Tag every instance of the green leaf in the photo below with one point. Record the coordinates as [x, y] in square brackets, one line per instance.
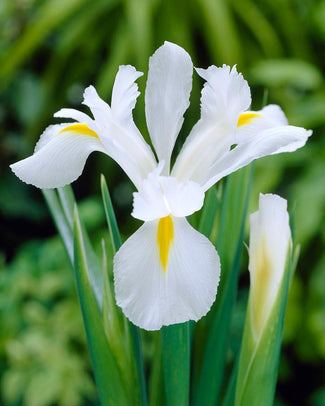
[61, 205]
[229, 397]
[110, 215]
[139, 14]
[119, 53]
[259, 359]
[229, 246]
[107, 374]
[176, 363]
[68, 203]
[60, 220]
[138, 368]
[287, 72]
[50, 14]
[117, 335]
[219, 24]
[209, 213]
[259, 26]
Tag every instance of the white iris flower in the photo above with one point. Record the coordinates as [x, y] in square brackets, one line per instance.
[166, 272]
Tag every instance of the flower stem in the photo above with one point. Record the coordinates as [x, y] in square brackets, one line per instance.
[176, 363]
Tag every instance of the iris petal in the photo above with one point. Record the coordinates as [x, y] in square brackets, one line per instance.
[118, 133]
[167, 97]
[252, 123]
[59, 157]
[224, 96]
[152, 295]
[268, 142]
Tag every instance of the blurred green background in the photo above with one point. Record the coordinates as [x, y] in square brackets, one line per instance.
[50, 51]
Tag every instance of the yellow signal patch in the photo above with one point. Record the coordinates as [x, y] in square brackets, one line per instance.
[81, 129]
[246, 118]
[165, 237]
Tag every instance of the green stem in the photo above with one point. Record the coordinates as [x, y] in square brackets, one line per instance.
[176, 363]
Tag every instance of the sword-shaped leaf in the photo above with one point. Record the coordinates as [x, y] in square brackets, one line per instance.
[106, 370]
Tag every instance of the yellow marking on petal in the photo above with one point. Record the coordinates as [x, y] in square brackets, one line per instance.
[81, 129]
[165, 237]
[246, 118]
[262, 287]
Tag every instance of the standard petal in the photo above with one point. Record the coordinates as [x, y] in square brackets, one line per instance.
[125, 94]
[224, 96]
[167, 97]
[269, 142]
[153, 293]
[117, 130]
[59, 157]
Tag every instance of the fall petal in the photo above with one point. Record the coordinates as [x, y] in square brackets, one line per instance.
[166, 273]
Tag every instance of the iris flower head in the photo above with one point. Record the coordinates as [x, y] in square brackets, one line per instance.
[166, 272]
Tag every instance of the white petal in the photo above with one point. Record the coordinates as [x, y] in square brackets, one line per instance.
[75, 115]
[224, 96]
[160, 196]
[49, 132]
[151, 296]
[167, 97]
[118, 132]
[268, 142]
[125, 94]
[59, 158]
[270, 241]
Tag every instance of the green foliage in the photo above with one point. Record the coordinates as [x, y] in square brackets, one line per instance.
[43, 350]
[112, 390]
[132, 331]
[229, 245]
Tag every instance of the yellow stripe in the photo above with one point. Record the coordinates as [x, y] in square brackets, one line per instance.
[263, 272]
[165, 237]
[81, 129]
[246, 118]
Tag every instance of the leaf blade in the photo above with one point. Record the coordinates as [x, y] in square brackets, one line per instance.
[107, 374]
[229, 246]
[68, 203]
[60, 220]
[136, 346]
